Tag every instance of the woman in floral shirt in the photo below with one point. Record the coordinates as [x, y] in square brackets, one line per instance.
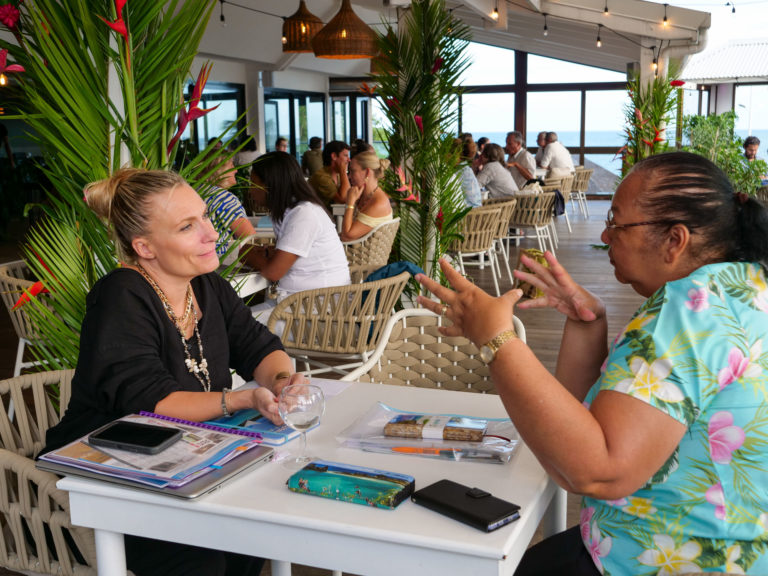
[665, 434]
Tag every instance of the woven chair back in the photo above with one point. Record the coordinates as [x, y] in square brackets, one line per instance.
[479, 228]
[533, 210]
[38, 534]
[14, 279]
[373, 249]
[338, 320]
[581, 180]
[417, 354]
[507, 209]
[566, 186]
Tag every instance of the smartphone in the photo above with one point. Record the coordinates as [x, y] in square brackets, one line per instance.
[135, 437]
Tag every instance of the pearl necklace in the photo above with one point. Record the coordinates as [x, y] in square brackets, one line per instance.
[198, 369]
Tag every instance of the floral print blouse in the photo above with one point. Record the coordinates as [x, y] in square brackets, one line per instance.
[694, 350]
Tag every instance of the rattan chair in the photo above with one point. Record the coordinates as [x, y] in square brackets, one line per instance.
[564, 185]
[501, 239]
[535, 211]
[579, 191]
[15, 278]
[412, 352]
[343, 322]
[373, 249]
[479, 229]
[37, 533]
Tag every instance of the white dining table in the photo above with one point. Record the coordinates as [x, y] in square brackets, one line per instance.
[256, 514]
[248, 283]
[338, 215]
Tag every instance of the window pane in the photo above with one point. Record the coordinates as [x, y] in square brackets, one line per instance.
[691, 103]
[554, 112]
[340, 120]
[380, 126]
[316, 117]
[605, 117]
[543, 70]
[489, 115]
[488, 65]
[277, 121]
[752, 114]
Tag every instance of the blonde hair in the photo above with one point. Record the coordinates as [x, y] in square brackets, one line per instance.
[123, 202]
[370, 161]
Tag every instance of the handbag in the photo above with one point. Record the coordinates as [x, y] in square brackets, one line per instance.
[559, 207]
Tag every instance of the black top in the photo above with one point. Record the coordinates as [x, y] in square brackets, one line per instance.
[131, 355]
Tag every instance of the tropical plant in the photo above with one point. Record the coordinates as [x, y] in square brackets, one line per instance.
[714, 137]
[418, 71]
[103, 86]
[646, 117]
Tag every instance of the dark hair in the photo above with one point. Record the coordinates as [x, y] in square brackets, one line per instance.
[284, 183]
[751, 141]
[314, 142]
[249, 143]
[494, 153]
[280, 139]
[359, 146]
[466, 146]
[689, 189]
[333, 147]
[482, 141]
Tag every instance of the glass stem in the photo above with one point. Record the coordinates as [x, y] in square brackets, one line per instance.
[303, 452]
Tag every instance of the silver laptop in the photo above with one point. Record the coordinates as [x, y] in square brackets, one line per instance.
[206, 483]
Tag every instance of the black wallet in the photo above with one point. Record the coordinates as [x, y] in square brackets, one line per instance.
[472, 506]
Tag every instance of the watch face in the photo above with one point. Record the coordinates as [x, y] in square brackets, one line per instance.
[486, 354]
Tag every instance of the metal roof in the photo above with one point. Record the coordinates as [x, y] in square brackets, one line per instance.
[738, 61]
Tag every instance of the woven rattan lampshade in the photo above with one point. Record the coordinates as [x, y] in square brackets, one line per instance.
[299, 29]
[345, 36]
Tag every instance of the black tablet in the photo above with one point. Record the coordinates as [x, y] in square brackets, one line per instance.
[135, 437]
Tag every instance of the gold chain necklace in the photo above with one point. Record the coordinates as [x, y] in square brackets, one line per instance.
[198, 369]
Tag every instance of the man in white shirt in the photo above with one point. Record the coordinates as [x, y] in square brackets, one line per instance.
[541, 141]
[520, 162]
[557, 160]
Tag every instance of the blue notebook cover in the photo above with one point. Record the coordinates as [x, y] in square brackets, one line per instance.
[252, 421]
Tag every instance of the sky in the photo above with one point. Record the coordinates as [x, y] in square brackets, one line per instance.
[749, 20]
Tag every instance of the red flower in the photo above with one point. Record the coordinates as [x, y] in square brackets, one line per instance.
[657, 137]
[10, 67]
[9, 15]
[34, 290]
[119, 24]
[405, 186]
[419, 123]
[193, 113]
[391, 102]
[365, 88]
[437, 65]
[439, 220]
[677, 83]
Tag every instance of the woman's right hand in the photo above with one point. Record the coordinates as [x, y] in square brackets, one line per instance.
[266, 402]
[560, 291]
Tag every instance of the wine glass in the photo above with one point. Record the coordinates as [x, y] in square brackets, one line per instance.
[300, 407]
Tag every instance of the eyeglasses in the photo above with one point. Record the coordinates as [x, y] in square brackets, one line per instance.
[610, 224]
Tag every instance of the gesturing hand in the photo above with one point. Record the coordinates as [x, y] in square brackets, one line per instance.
[474, 313]
[560, 291]
[353, 194]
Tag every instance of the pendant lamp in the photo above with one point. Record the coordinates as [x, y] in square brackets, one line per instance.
[299, 29]
[346, 36]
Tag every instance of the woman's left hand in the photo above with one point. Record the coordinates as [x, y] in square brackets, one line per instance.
[474, 313]
[353, 194]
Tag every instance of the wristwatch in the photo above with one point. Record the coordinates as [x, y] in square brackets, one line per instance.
[489, 349]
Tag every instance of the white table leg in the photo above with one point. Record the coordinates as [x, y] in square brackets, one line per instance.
[555, 518]
[110, 553]
[280, 568]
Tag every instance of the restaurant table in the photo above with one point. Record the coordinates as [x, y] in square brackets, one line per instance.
[247, 283]
[256, 514]
[338, 214]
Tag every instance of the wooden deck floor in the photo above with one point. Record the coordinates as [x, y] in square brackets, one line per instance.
[588, 266]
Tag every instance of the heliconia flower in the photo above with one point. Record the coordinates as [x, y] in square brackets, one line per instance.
[715, 496]
[411, 198]
[620, 152]
[437, 65]
[365, 88]
[740, 365]
[698, 299]
[34, 290]
[119, 24]
[9, 16]
[638, 114]
[419, 123]
[391, 102]
[4, 67]
[405, 185]
[724, 437]
[657, 137]
[648, 142]
[677, 83]
[193, 112]
[439, 220]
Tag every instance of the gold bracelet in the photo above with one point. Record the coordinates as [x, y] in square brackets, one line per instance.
[350, 206]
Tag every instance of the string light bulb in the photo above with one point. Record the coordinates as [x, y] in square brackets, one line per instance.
[733, 7]
[599, 41]
[546, 28]
[665, 22]
[495, 13]
[605, 10]
[655, 65]
[3, 80]
[222, 20]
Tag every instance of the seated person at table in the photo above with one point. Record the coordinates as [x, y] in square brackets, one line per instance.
[493, 175]
[161, 333]
[224, 208]
[367, 204]
[665, 432]
[557, 159]
[312, 159]
[520, 162]
[472, 195]
[308, 253]
[331, 181]
[281, 145]
[541, 141]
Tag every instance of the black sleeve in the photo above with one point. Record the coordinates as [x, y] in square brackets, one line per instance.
[249, 340]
